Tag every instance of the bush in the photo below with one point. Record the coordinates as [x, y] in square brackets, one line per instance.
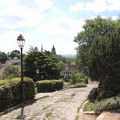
[107, 104]
[7, 94]
[85, 80]
[109, 87]
[29, 88]
[75, 78]
[10, 92]
[49, 85]
[58, 84]
[10, 72]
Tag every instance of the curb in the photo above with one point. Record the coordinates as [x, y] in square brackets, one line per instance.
[81, 113]
[81, 110]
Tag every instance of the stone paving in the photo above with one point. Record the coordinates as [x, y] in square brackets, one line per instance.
[59, 105]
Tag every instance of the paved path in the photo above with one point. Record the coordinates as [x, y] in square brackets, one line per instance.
[59, 105]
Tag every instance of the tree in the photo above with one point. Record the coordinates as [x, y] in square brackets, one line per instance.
[45, 62]
[92, 30]
[10, 72]
[98, 52]
[13, 54]
[16, 51]
[3, 57]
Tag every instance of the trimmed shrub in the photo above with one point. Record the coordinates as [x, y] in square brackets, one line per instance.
[58, 84]
[7, 98]
[29, 89]
[49, 85]
[10, 92]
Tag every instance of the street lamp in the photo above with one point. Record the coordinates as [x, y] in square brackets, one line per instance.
[37, 71]
[21, 42]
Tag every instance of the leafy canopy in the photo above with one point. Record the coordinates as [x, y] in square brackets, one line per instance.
[99, 50]
[45, 62]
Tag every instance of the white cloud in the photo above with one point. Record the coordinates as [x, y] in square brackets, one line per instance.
[58, 11]
[114, 17]
[61, 26]
[62, 30]
[113, 5]
[9, 40]
[77, 7]
[97, 6]
[31, 16]
[44, 22]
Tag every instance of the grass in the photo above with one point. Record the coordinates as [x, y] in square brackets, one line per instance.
[48, 114]
[78, 109]
[36, 91]
[89, 106]
[73, 94]
[77, 117]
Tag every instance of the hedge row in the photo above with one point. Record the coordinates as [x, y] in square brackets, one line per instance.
[10, 92]
[49, 85]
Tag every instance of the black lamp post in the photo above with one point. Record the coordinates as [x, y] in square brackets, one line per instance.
[21, 42]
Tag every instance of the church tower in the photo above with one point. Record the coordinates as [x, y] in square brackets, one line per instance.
[53, 51]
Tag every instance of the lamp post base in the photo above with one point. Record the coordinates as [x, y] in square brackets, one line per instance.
[22, 117]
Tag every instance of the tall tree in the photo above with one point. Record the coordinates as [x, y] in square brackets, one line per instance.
[45, 62]
[99, 50]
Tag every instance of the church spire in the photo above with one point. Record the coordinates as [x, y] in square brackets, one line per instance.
[41, 48]
[53, 50]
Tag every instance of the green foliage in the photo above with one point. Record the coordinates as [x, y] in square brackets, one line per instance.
[77, 85]
[10, 92]
[10, 72]
[75, 78]
[49, 85]
[14, 54]
[98, 52]
[107, 104]
[109, 87]
[71, 61]
[45, 62]
[29, 88]
[84, 79]
[3, 57]
[89, 106]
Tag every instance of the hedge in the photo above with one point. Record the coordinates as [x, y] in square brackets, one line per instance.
[49, 85]
[10, 92]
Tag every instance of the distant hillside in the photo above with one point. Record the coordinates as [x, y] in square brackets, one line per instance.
[69, 55]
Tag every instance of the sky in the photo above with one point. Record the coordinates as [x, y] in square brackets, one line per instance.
[49, 22]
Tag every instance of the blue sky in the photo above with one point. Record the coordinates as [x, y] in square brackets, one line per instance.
[49, 22]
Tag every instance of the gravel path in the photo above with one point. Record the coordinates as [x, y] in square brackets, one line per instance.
[59, 105]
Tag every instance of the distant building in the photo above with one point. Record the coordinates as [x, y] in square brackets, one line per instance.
[53, 50]
[67, 70]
